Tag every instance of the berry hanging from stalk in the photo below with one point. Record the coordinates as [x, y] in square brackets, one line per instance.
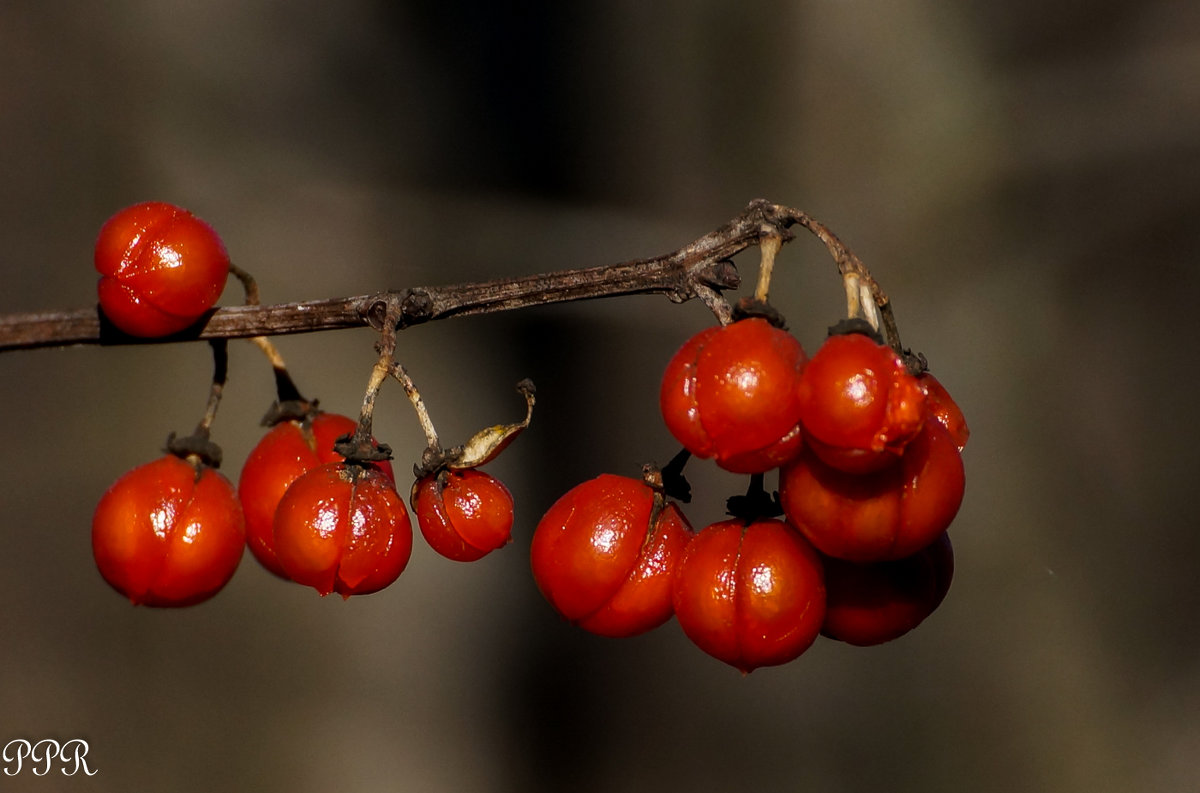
[288, 450]
[342, 527]
[171, 532]
[870, 604]
[463, 515]
[943, 408]
[161, 268]
[859, 403]
[885, 514]
[168, 533]
[752, 594]
[605, 554]
[731, 393]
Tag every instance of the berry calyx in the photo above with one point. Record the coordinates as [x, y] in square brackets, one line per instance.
[161, 268]
[463, 515]
[168, 533]
[342, 527]
[604, 555]
[750, 595]
[730, 393]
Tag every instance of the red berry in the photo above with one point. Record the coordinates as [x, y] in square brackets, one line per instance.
[731, 393]
[750, 595]
[874, 603]
[602, 563]
[343, 528]
[859, 403]
[168, 533]
[463, 515]
[288, 450]
[886, 514]
[943, 408]
[161, 268]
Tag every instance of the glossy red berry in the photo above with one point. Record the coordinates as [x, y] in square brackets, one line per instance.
[750, 595]
[463, 515]
[603, 559]
[859, 403]
[168, 533]
[161, 268]
[869, 604]
[343, 528]
[886, 514]
[943, 408]
[288, 450]
[731, 393]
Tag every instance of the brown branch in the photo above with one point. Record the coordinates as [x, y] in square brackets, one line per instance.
[695, 270]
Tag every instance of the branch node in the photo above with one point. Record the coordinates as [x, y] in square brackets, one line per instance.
[415, 307]
[719, 275]
[375, 313]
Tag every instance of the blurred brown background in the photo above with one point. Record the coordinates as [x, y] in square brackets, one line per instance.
[1022, 177]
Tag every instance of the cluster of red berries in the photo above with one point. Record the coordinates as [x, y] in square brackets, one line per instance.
[870, 478]
[867, 448]
[171, 532]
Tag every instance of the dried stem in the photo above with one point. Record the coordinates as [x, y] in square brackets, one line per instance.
[285, 387]
[702, 266]
[379, 373]
[220, 348]
[767, 249]
[717, 304]
[701, 269]
[197, 447]
[414, 396]
[855, 274]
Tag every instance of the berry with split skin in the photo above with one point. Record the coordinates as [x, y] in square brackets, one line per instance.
[731, 393]
[288, 450]
[887, 514]
[342, 527]
[750, 594]
[860, 405]
[943, 408]
[604, 555]
[869, 604]
[161, 269]
[463, 514]
[168, 533]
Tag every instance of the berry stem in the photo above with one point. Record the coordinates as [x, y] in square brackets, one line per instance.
[769, 246]
[379, 373]
[220, 348]
[675, 484]
[867, 289]
[359, 447]
[756, 503]
[859, 302]
[716, 303]
[414, 396]
[197, 448]
[285, 387]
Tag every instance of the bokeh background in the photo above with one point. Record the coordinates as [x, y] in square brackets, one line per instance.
[1022, 177]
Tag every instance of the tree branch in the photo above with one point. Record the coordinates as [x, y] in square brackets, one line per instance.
[698, 269]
